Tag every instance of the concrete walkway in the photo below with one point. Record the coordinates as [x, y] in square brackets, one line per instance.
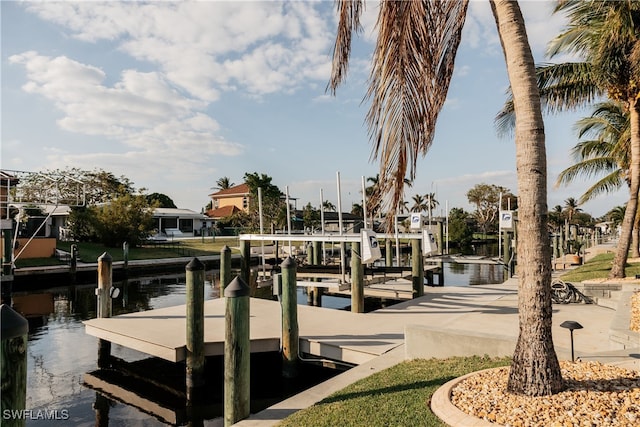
[482, 309]
[487, 311]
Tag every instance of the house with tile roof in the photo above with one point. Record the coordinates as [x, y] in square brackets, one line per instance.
[231, 200]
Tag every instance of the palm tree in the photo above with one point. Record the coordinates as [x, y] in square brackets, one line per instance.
[570, 209]
[606, 35]
[606, 154]
[412, 68]
[431, 201]
[419, 203]
[224, 183]
[328, 206]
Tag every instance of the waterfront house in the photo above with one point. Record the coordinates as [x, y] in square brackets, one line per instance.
[223, 201]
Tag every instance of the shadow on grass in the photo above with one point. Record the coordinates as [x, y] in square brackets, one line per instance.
[418, 385]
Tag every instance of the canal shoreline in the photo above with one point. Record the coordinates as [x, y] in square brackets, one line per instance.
[42, 277]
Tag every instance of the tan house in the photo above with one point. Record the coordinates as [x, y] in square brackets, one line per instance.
[229, 201]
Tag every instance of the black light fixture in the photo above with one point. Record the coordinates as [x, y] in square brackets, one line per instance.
[571, 325]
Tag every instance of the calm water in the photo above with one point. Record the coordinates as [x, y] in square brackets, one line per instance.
[60, 352]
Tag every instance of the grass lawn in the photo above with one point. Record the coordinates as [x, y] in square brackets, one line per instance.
[89, 252]
[397, 396]
[598, 268]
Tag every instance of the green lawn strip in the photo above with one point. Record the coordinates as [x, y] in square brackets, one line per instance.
[598, 268]
[397, 396]
[89, 252]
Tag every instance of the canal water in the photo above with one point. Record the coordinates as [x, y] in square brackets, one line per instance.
[60, 352]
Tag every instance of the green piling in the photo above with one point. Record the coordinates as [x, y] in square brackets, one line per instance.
[14, 330]
[417, 268]
[225, 268]
[237, 352]
[357, 279]
[290, 334]
[195, 328]
[105, 282]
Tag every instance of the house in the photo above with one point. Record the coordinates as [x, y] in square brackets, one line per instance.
[229, 201]
[6, 182]
[175, 222]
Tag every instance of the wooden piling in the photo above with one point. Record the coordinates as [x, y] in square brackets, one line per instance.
[237, 352]
[195, 328]
[73, 263]
[290, 332]
[388, 254]
[417, 268]
[125, 255]
[245, 254]
[225, 268]
[317, 253]
[14, 330]
[357, 279]
[105, 281]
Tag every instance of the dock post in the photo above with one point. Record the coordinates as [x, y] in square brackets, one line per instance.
[357, 279]
[73, 263]
[317, 253]
[125, 256]
[237, 352]
[195, 328]
[315, 258]
[417, 268]
[105, 280]
[14, 330]
[388, 254]
[225, 268]
[245, 254]
[290, 334]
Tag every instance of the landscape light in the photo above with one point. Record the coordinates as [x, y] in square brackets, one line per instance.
[571, 325]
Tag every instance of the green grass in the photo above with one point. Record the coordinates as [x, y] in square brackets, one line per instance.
[397, 396]
[598, 268]
[89, 252]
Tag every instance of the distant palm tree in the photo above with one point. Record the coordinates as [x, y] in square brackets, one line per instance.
[224, 183]
[571, 208]
[419, 203]
[356, 209]
[431, 202]
[328, 206]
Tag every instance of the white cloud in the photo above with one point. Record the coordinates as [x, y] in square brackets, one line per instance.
[141, 110]
[205, 47]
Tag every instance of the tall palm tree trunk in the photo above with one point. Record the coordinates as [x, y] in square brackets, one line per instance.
[535, 370]
[622, 252]
[635, 238]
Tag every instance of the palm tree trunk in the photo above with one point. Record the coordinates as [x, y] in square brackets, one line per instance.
[635, 238]
[535, 370]
[622, 252]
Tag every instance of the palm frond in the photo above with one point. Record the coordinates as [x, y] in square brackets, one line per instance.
[412, 67]
[607, 184]
[349, 12]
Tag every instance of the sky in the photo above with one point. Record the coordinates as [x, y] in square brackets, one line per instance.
[176, 95]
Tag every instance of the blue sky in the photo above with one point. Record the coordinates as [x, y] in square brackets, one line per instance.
[176, 95]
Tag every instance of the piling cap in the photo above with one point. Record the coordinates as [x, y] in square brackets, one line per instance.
[12, 323]
[237, 288]
[288, 263]
[195, 265]
[105, 257]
